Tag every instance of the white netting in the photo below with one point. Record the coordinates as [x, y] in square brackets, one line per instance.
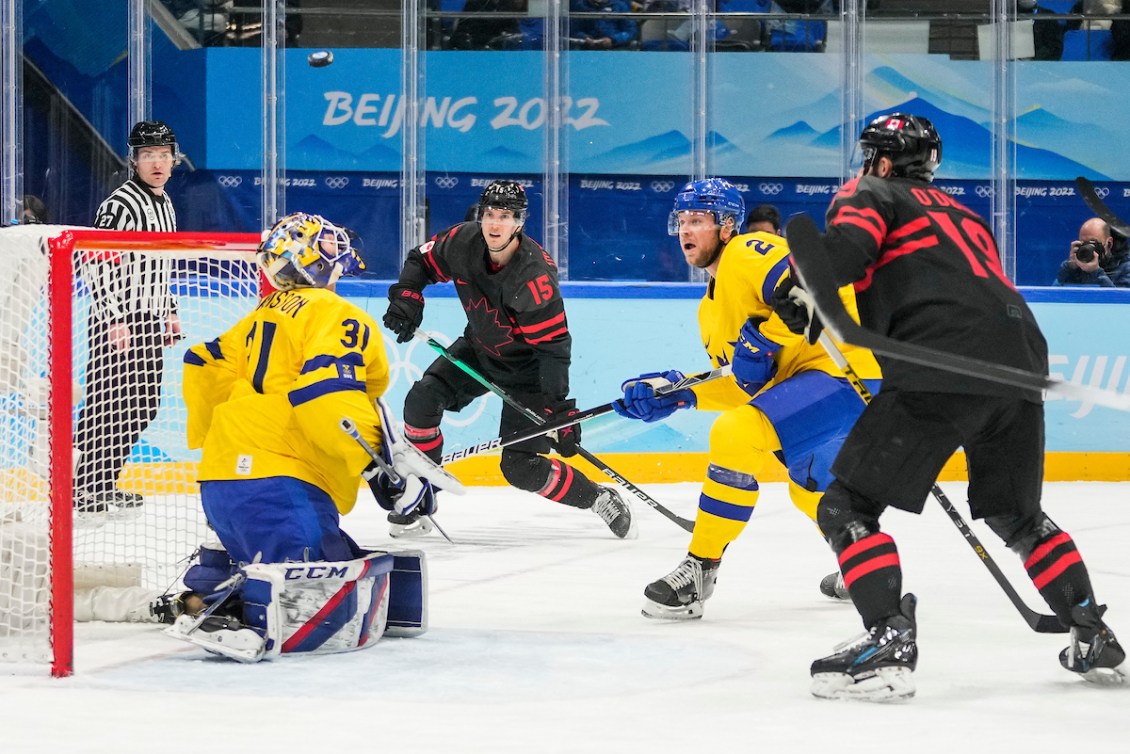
[137, 515]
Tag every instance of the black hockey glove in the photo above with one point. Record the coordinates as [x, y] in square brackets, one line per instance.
[405, 311]
[796, 309]
[566, 439]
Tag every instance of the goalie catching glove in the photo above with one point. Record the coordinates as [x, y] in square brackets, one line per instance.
[796, 308]
[405, 480]
[753, 363]
[641, 400]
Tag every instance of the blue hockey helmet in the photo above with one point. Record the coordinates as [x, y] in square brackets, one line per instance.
[714, 195]
[308, 251]
[910, 141]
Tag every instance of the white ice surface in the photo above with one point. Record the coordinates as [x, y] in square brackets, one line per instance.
[537, 645]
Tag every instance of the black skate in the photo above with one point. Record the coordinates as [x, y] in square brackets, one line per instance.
[1094, 652]
[679, 595]
[408, 525]
[878, 667]
[615, 513]
[832, 587]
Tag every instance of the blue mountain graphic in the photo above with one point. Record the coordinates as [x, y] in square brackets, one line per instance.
[799, 131]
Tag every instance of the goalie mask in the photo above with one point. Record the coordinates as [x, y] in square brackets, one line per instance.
[910, 142]
[714, 195]
[307, 251]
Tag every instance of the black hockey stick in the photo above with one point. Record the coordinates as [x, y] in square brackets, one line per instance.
[812, 264]
[605, 408]
[1099, 207]
[1038, 622]
[686, 524]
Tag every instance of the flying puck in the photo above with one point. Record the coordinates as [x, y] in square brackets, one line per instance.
[320, 58]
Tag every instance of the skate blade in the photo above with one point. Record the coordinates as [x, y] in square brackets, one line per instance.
[1106, 676]
[885, 685]
[418, 528]
[657, 611]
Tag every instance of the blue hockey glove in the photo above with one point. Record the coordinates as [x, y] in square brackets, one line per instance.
[566, 439]
[753, 363]
[641, 402]
[797, 310]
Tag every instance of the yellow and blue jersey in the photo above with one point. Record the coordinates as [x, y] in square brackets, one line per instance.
[751, 267]
[265, 398]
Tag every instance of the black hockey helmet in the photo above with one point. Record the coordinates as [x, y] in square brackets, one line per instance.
[910, 141]
[505, 195]
[151, 133]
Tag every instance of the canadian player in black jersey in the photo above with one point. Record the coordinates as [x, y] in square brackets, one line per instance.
[517, 336]
[926, 270]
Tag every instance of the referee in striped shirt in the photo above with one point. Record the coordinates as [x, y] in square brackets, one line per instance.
[133, 318]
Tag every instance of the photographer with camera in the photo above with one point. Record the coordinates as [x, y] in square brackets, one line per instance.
[1092, 258]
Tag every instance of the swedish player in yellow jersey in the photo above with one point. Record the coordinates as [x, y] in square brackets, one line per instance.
[265, 402]
[791, 401]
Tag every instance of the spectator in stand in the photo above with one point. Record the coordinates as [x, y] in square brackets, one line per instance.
[492, 31]
[1095, 258]
[613, 33]
[764, 217]
[35, 211]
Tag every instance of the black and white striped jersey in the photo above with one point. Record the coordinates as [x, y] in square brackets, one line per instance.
[133, 283]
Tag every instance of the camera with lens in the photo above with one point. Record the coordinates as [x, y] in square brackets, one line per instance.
[1087, 250]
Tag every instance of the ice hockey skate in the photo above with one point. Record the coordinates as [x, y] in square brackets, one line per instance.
[877, 667]
[679, 595]
[221, 635]
[409, 525]
[615, 512]
[1094, 652]
[832, 587]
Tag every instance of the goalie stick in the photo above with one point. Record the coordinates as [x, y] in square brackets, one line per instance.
[581, 416]
[1038, 622]
[685, 524]
[811, 261]
[1099, 207]
[349, 427]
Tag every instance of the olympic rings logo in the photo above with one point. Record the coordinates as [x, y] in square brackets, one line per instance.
[447, 181]
[1102, 191]
[663, 187]
[229, 181]
[770, 189]
[336, 181]
[984, 191]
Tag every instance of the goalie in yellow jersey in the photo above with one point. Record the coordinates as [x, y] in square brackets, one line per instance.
[266, 401]
[787, 400]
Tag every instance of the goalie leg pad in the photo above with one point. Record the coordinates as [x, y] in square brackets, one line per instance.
[408, 595]
[318, 607]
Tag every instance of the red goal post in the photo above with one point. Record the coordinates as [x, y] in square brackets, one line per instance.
[49, 555]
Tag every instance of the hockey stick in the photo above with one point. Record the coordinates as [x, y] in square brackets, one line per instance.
[812, 264]
[1099, 207]
[686, 524]
[349, 427]
[581, 416]
[1038, 622]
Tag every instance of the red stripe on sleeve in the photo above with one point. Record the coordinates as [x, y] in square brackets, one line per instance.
[874, 564]
[875, 540]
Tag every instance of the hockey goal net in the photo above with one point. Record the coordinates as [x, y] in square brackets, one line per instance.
[50, 544]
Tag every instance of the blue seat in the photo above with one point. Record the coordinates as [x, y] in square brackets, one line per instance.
[1081, 44]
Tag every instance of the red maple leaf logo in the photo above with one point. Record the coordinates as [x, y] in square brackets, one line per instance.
[488, 331]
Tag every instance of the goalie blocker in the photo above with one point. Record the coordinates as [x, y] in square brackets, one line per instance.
[269, 609]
